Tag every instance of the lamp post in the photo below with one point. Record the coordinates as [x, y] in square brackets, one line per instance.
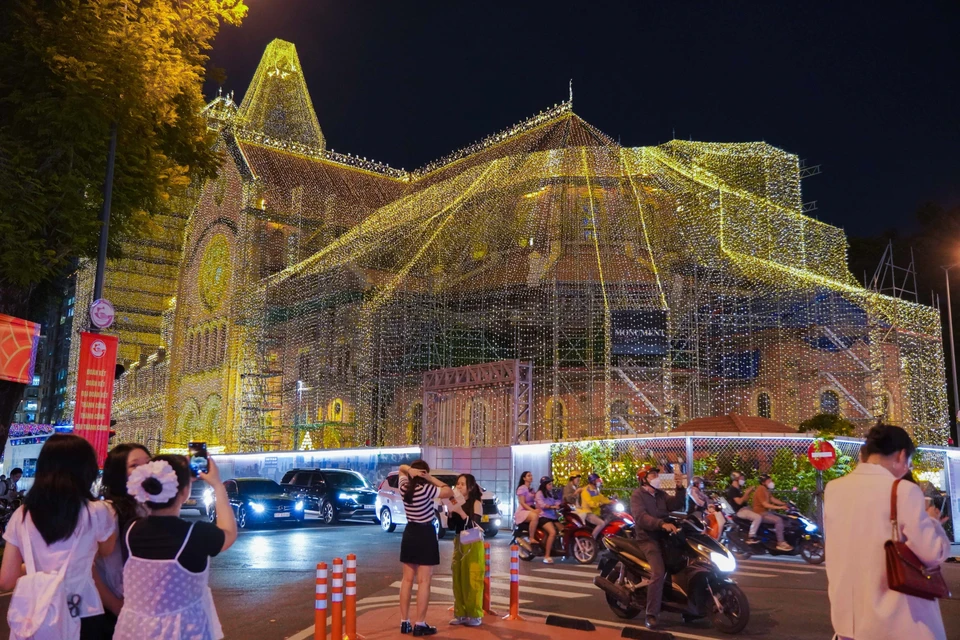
[953, 353]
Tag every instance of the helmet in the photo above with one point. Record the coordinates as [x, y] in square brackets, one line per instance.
[764, 478]
[574, 475]
[645, 470]
[593, 478]
[736, 474]
[545, 480]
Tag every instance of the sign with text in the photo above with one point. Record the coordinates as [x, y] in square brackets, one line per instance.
[91, 418]
[18, 349]
[822, 455]
[639, 333]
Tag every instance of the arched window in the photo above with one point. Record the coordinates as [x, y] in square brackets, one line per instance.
[830, 402]
[619, 411]
[335, 410]
[764, 405]
[214, 345]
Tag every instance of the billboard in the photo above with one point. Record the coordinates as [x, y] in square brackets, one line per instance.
[639, 333]
[18, 349]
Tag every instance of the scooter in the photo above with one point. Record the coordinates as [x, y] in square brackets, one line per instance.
[697, 583]
[574, 539]
[617, 516]
[798, 531]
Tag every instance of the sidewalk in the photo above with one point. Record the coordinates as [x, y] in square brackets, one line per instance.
[383, 622]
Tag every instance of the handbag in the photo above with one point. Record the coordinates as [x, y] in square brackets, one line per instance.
[905, 572]
[472, 534]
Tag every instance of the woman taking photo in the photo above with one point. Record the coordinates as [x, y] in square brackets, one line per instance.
[108, 571]
[419, 550]
[468, 561]
[165, 579]
[60, 525]
[547, 505]
[857, 519]
[526, 506]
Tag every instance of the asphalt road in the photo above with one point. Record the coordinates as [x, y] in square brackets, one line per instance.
[264, 585]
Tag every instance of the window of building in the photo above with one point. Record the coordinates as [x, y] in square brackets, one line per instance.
[830, 403]
[36, 381]
[764, 405]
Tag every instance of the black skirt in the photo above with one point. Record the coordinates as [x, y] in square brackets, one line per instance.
[419, 545]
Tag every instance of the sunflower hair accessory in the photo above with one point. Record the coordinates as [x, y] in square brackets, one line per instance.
[153, 482]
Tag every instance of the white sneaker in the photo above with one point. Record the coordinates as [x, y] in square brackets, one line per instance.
[473, 622]
[459, 620]
[548, 561]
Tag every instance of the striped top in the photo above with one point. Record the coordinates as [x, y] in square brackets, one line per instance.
[422, 510]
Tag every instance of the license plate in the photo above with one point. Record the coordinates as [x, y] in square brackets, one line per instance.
[485, 519]
[281, 515]
[360, 508]
[190, 503]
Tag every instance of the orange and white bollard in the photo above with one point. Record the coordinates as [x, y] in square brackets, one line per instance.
[486, 580]
[350, 600]
[514, 584]
[320, 605]
[336, 601]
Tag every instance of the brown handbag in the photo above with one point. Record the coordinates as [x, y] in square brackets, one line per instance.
[905, 571]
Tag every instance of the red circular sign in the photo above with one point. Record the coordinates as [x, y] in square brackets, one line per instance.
[822, 455]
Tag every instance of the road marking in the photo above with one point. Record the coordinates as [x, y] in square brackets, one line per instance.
[808, 569]
[505, 586]
[750, 574]
[449, 592]
[605, 623]
[558, 581]
[309, 631]
[562, 572]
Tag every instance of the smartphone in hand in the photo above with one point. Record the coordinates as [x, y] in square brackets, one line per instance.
[198, 458]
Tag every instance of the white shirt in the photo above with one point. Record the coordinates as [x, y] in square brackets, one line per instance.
[856, 525]
[95, 524]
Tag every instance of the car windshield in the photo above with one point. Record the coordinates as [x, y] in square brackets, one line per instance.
[344, 480]
[258, 487]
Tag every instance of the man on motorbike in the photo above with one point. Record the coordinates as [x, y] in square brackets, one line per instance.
[571, 492]
[592, 501]
[650, 506]
[739, 499]
[8, 490]
[763, 502]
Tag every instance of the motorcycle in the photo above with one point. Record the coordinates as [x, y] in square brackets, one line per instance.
[696, 586]
[617, 516]
[574, 539]
[798, 531]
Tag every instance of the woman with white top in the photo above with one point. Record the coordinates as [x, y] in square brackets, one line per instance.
[108, 571]
[419, 551]
[857, 519]
[165, 579]
[60, 522]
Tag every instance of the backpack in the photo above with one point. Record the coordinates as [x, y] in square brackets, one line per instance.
[39, 608]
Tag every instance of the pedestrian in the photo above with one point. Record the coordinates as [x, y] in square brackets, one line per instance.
[166, 576]
[650, 507]
[547, 505]
[108, 571]
[526, 506]
[738, 499]
[468, 561]
[8, 488]
[571, 491]
[763, 503]
[58, 531]
[419, 550]
[857, 517]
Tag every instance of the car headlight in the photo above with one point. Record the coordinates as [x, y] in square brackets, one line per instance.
[299, 505]
[496, 522]
[208, 498]
[723, 562]
[618, 507]
[257, 507]
[808, 525]
[348, 496]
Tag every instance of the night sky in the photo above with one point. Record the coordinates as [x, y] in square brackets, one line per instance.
[869, 92]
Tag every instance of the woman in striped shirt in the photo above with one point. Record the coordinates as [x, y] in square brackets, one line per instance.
[419, 550]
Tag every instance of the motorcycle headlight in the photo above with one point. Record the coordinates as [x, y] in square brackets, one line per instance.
[808, 525]
[618, 507]
[257, 507]
[724, 562]
[299, 505]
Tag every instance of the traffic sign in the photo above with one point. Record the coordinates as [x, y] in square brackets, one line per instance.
[102, 313]
[822, 455]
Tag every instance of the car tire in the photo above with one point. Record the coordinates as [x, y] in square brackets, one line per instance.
[212, 514]
[327, 513]
[242, 521]
[491, 532]
[441, 533]
[386, 521]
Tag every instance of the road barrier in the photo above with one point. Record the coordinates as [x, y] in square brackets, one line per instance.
[486, 580]
[320, 604]
[336, 601]
[514, 584]
[350, 602]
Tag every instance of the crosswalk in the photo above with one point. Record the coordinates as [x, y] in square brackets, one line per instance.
[572, 582]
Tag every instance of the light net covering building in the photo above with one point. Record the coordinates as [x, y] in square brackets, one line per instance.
[546, 283]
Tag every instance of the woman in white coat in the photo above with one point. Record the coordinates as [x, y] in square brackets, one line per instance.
[856, 526]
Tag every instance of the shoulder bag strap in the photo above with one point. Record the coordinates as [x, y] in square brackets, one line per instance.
[893, 512]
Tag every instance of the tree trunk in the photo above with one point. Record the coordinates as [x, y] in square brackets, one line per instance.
[10, 395]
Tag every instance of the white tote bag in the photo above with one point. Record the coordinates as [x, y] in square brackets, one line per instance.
[39, 608]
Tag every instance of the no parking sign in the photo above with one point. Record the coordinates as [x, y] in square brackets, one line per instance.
[822, 455]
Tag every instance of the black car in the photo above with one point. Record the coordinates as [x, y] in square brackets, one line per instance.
[259, 501]
[334, 493]
[201, 497]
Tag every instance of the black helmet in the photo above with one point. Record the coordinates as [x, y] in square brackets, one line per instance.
[545, 480]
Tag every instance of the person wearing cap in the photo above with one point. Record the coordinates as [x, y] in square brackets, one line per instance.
[650, 507]
[593, 501]
[547, 505]
[572, 490]
[763, 503]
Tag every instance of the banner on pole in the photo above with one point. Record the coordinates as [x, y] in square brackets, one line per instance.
[91, 417]
[18, 349]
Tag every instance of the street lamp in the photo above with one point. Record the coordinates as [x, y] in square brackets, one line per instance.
[953, 353]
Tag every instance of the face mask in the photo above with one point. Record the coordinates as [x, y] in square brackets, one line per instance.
[655, 483]
[770, 486]
[700, 485]
[742, 482]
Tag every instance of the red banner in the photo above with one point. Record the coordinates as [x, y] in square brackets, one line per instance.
[18, 349]
[91, 417]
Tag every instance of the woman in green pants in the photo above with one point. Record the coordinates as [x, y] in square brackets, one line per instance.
[468, 561]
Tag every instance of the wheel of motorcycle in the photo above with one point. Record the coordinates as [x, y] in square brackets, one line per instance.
[812, 551]
[620, 610]
[584, 550]
[738, 548]
[735, 613]
[524, 554]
